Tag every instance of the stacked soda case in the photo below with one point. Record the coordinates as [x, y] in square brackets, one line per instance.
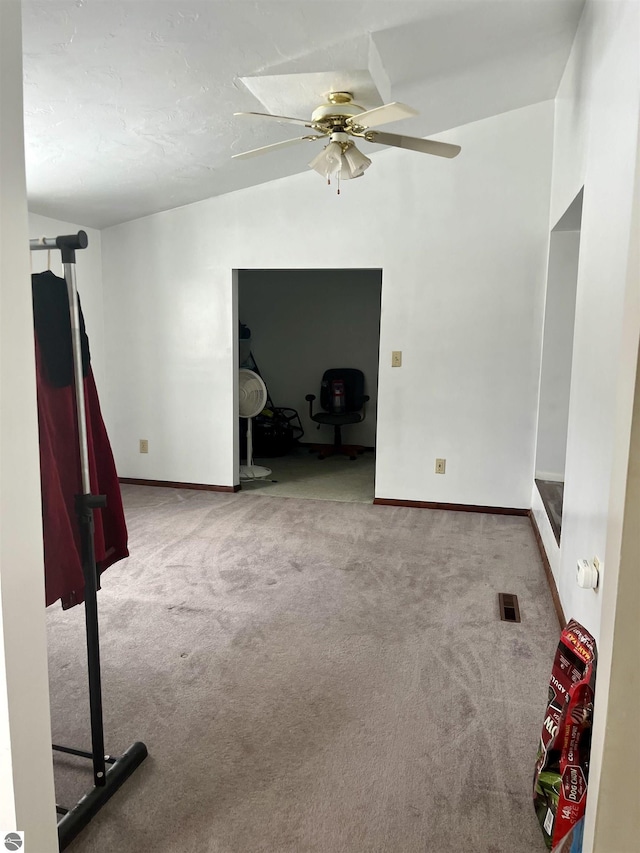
[562, 765]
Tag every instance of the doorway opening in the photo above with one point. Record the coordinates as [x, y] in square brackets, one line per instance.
[557, 355]
[294, 326]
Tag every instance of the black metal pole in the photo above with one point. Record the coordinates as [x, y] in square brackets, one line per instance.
[85, 504]
[84, 509]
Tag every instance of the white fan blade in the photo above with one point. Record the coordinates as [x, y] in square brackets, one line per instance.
[302, 121]
[285, 144]
[426, 146]
[383, 115]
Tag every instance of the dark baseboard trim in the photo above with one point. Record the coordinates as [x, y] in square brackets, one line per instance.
[546, 565]
[167, 484]
[492, 510]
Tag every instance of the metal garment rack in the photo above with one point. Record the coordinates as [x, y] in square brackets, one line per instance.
[105, 782]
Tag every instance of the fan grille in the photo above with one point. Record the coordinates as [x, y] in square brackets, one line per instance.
[252, 394]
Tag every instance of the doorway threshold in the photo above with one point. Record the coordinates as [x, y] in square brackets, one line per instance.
[301, 474]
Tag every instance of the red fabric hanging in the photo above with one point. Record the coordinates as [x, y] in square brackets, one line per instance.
[61, 482]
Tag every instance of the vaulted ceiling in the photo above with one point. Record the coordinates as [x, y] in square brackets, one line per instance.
[129, 103]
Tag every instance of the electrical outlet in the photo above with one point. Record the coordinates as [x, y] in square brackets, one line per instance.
[441, 466]
[144, 445]
[396, 358]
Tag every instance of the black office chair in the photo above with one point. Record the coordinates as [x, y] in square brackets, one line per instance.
[343, 399]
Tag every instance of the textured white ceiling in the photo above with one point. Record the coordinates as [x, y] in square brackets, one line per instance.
[129, 103]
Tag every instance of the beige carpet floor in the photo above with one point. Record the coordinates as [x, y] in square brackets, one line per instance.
[301, 474]
[312, 677]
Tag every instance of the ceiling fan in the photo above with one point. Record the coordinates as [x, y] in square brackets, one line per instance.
[342, 121]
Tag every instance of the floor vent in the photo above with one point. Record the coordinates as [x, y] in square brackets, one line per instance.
[509, 607]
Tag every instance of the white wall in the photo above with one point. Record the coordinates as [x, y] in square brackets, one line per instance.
[613, 819]
[89, 277]
[462, 245]
[26, 768]
[305, 321]
[595, 145]
[616, 746]
[557, 348]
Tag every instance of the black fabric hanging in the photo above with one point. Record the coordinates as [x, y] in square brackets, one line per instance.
[53, 329]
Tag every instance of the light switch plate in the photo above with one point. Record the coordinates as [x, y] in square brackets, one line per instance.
[396, 358]
[144, 445]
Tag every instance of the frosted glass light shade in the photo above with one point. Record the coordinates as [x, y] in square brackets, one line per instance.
[332, 160]
[328, 161]
[354, 163]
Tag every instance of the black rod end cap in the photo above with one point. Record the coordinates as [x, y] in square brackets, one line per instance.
[69, 243]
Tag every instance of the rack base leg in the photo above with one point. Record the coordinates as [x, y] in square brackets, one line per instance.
[75, 820]
[82, 753]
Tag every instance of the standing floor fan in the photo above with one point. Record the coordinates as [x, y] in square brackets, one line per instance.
[253, 398]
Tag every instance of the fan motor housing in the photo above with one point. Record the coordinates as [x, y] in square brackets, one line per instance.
[335, 113]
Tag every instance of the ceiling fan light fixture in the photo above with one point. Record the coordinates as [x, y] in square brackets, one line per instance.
[328, 161]
[345, 161]
[354, 163]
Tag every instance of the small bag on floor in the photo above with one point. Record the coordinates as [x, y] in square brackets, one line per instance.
[562, 765]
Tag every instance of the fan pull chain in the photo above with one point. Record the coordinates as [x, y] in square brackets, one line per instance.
[337, 181]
